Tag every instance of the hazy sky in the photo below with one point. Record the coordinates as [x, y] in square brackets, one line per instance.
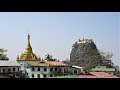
[56, 32]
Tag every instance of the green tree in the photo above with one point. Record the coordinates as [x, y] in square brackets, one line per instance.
[66, 61]
[106, 58]
[3, 56]
[49, 57]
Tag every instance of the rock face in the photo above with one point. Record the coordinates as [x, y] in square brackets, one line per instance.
[85, 54]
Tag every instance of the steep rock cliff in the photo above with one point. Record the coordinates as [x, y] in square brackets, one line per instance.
[84, 53]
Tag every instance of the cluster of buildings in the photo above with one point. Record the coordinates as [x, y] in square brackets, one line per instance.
[85, 40]
[29, 65]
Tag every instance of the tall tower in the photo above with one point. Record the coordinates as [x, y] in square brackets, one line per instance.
[28, 54]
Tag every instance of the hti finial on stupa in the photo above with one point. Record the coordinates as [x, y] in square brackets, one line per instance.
[28, 37]
[28, 48]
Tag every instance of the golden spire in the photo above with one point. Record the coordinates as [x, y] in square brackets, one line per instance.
[28, 53]
[28, 48]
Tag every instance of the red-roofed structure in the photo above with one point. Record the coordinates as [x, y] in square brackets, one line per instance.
[47, 69]
[87, 76]
[103, 75]
[49, 63]
[98, 75]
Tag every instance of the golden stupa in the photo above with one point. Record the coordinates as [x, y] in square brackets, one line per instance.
[28, 53]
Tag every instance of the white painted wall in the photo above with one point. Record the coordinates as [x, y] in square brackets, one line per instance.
[11, 69]
[79, 71]
[41, 72]
[24, 64]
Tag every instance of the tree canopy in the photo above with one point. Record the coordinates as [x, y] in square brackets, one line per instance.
[48, 57]
[3, 56]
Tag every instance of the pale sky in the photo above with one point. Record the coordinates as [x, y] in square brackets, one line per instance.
[56, 32]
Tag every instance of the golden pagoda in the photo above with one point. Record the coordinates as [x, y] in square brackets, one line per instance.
[28, 53]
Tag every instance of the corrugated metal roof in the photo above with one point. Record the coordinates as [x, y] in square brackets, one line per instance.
[102, 68]
[98, 75]
[9, 63]
[77, 67]
[87, 76]
[103, 75]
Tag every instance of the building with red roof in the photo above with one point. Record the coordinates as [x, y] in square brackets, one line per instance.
[98, 75]
[46, 69]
